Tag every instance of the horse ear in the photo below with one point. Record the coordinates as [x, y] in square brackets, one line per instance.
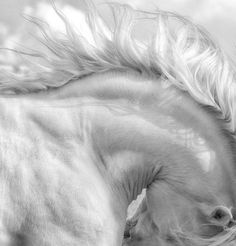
[221, 216]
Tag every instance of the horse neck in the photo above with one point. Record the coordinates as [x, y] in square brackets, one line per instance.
[138, 154]
[145, 113]
[135, 146]
[216, 145]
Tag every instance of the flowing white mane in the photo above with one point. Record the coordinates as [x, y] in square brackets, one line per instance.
[182, 53]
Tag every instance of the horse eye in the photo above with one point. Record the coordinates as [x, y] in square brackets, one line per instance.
[221, 215]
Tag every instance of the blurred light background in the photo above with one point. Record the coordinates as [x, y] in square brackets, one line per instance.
[217, 16]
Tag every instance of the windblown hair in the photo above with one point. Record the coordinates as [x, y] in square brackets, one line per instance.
[184, 55]
[226, 238]
[178, 51]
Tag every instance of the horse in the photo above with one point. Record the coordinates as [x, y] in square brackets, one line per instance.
[96, 120]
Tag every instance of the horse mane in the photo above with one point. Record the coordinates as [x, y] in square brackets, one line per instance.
[185, 55]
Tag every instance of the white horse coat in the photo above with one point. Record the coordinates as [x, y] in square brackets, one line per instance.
[74, 157]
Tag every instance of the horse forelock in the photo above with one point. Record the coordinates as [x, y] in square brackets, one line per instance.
[223, 239]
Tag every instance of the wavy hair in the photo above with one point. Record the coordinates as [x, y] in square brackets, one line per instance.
[185, 55]
[226, 238]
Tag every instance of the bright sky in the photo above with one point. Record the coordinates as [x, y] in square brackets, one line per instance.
[217, 16]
